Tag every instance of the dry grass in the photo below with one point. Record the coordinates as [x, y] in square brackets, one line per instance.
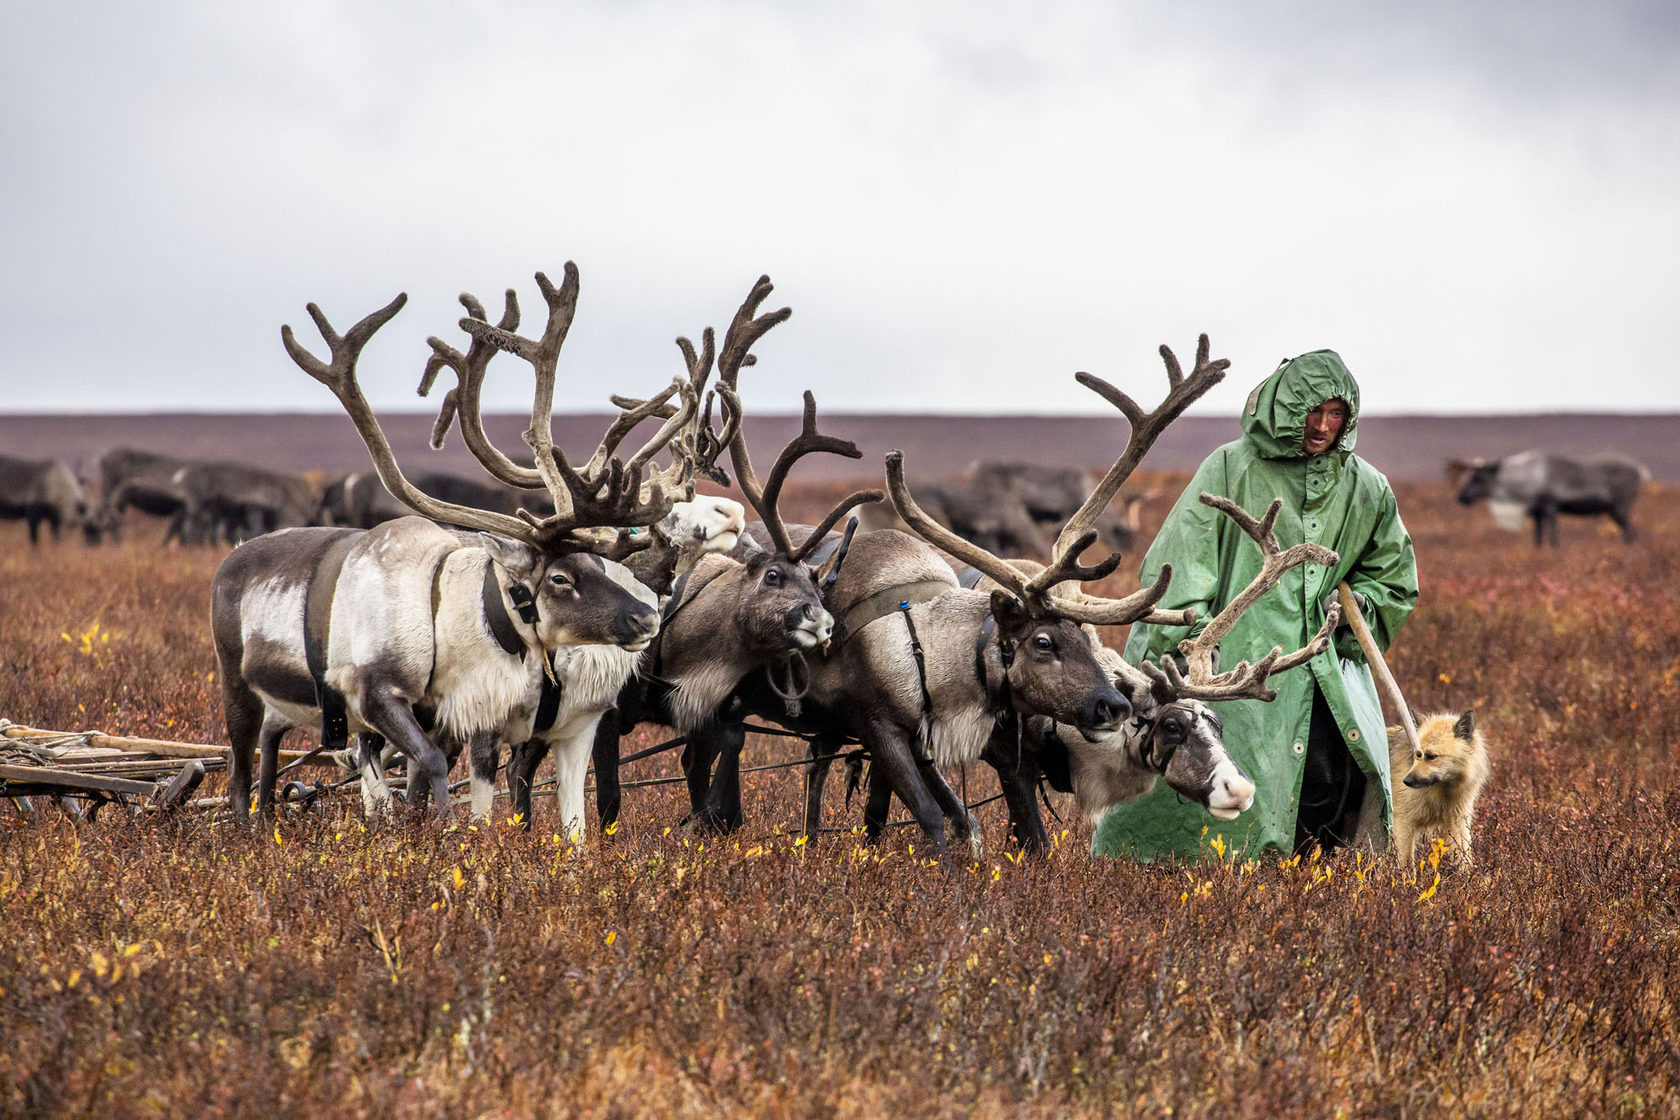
[182, 966]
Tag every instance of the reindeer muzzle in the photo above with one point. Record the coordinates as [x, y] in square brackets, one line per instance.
[1103, 712]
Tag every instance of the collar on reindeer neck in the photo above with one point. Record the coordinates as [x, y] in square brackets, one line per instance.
[495, 612]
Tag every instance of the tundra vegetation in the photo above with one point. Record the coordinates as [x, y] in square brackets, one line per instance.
[172, 966]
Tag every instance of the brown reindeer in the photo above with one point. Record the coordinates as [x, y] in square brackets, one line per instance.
[732, 615]
[922, 670]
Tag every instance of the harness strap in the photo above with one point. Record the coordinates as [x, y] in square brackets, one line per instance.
[317, 625]
[883, 603]
[903, 608]
[495, 612]
[1006, 655]
[548, 706]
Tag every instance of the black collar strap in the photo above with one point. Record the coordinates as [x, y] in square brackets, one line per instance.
[1006, 654]
[523, 602]
[495, 612]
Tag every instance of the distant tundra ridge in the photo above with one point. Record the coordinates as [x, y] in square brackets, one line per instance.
[1406, 448]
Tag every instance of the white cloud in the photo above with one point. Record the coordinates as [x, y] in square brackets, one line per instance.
[963, 203]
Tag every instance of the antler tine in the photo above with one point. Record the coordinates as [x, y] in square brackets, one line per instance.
[1139, 606]
[708, 445]
[847, 504]
[809, 441]
[542, 354]
[746, 328]
[465, 401]
[1248, 680]
[1146, 428]
[1066, 566]
[924, 526]
[340, 376]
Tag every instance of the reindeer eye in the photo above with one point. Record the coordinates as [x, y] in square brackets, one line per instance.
[1430, 757]
[1044, 643]
[772, 577]
[559, 579]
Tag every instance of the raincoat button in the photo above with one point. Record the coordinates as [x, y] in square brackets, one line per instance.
[1353, 735]
[1299, 748]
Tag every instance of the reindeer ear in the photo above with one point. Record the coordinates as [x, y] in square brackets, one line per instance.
[1011, 615]
[1465, 728]
[517, 559]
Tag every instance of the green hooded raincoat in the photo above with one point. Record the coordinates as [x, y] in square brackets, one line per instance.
[1335, 499]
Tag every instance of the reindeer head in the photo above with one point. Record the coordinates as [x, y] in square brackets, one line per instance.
[570, 599]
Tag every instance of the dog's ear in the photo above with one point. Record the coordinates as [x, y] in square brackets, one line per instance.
[1465, 728]
[1417, 720]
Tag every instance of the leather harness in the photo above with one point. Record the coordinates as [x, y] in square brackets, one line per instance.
[317, 624]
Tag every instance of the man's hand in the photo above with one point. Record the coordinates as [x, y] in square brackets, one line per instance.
[1358, 601]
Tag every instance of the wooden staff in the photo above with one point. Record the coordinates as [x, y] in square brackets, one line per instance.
[1373, 655]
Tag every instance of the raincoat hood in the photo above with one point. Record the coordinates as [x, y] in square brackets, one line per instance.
[1275, 417]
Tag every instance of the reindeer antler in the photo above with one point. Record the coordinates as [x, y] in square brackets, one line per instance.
[339, 375]
[1247, 681]
[1080, 531]
[610, 494]
[745, 329]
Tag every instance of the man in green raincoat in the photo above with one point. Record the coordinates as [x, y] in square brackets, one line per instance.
[1318, 754]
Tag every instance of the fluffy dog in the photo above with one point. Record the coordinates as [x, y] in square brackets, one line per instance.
[1435, 790]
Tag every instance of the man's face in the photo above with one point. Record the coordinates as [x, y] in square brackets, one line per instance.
[1324, 426]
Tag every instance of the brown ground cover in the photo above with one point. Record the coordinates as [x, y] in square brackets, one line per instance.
[182, 966]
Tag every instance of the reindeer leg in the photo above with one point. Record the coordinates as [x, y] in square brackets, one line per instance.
[484, 752]
[370, 760]
[1018, 779]
[722, 809]
[876, 807]
[821, 753]
[608, 797]
[571, 770]
[268, 764]
[244, 723]
[428, 771]
[962, 824]
[894, 762]
[698, 754]
[522, 770]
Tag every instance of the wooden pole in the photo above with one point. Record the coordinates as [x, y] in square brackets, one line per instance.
[163, 747]
[1379, 667]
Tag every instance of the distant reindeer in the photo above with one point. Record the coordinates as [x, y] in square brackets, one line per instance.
[237, 501]
[1013, 509]
[131, 478]
[1541, 486]
[359, 500]
[45, 492]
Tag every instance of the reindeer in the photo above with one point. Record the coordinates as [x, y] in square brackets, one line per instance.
[404, 633]
[45, 492]
[593, 680]
[143, 480]
[1541, 486]
[360, 501]
[729, 617]
[1172, 733]
[238, 501]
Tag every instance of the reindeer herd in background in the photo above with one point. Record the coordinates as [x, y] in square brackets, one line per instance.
[567, 601]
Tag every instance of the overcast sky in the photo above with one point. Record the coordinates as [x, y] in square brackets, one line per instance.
[963, 202]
